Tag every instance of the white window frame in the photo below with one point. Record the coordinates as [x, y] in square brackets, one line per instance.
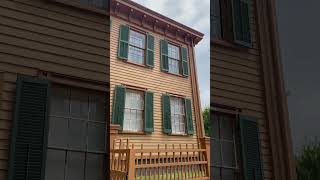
[133, 125]
[174, 58]
[181, 113]
[133, 46]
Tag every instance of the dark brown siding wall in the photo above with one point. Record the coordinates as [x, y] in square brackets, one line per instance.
[237, 81]
[40, 35]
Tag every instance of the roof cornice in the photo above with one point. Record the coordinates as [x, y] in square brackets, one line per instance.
[133, 10]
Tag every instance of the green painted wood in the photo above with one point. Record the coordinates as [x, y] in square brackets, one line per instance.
[150, 51]
[30, 129]
[189, 121]
[118, 105]
[123, 42]
[250, 143]
[185, 63]
[164, 55]
[148, 110]
[166, 114]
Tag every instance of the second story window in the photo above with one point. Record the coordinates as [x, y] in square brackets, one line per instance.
[133, 111]
[174, 59]
[230, 21]
[137, 47]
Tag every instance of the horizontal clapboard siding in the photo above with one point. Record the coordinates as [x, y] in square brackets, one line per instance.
[157, 82]
[41, 35]
[237, 81]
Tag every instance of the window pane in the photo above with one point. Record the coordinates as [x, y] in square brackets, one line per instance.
[173, 52]
[174, 66]
[96, 137]
[228, 154]
[59, 102]
[55, 164]
[58, 130]
[216, 152]
[77, 134]
[137, 39]
[177, 115]
[227, 128]
[75, 166]
[79, 104]
[136, 55]
[228, 174]
[94, 166]
[134, 111]
[96, 105]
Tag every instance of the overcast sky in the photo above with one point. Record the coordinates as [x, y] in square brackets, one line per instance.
[299, 38]
[195, 14]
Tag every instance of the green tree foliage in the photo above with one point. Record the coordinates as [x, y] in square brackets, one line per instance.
[308, 162]
[206, 120]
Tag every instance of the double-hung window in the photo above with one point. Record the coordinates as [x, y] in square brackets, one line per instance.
[178, 116]
[230, 21]
[77, 135]
[225, 143]
[174, 59]
[134, 111]
[137, 47]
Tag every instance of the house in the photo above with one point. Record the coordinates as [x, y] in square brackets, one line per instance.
[251, 135]
[155, 105]
[53, 84]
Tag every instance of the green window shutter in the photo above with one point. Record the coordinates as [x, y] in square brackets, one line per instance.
[164, 55]
[189, 120]
[185, 64]
[166, 114]
[123, 42]
[30, 127]
[148, 124]
[150, 51]
[118, 105]
[250, 143]
[241, 22]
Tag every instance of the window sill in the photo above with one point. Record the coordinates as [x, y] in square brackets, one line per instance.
[132, 132]
[226, 44]
[136, 64]
[82, 7]
[182, 135]
[178, 75]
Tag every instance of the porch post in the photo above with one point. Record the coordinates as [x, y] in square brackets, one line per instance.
[114, 131]
[205, 144]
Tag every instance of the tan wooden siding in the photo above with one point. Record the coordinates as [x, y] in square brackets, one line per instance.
[39, 35]
[237, 82]
[152, 79]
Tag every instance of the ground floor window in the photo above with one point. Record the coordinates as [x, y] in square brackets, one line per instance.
[134, 111]
[225, 145]
[178, 119]
[77, 135]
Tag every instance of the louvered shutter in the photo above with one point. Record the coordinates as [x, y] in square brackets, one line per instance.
[123, 42]
[164, 55]
[250, 143]
[29, 132]
[118, 105]
[148, 124]
[150, 51]
[241, 22]
[215, 19]
[189, 121]
[185, 63]
[166, 114]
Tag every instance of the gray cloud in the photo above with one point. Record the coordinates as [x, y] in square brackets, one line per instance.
[195, 14]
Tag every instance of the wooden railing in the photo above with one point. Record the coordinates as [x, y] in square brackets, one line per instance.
[164, 162]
